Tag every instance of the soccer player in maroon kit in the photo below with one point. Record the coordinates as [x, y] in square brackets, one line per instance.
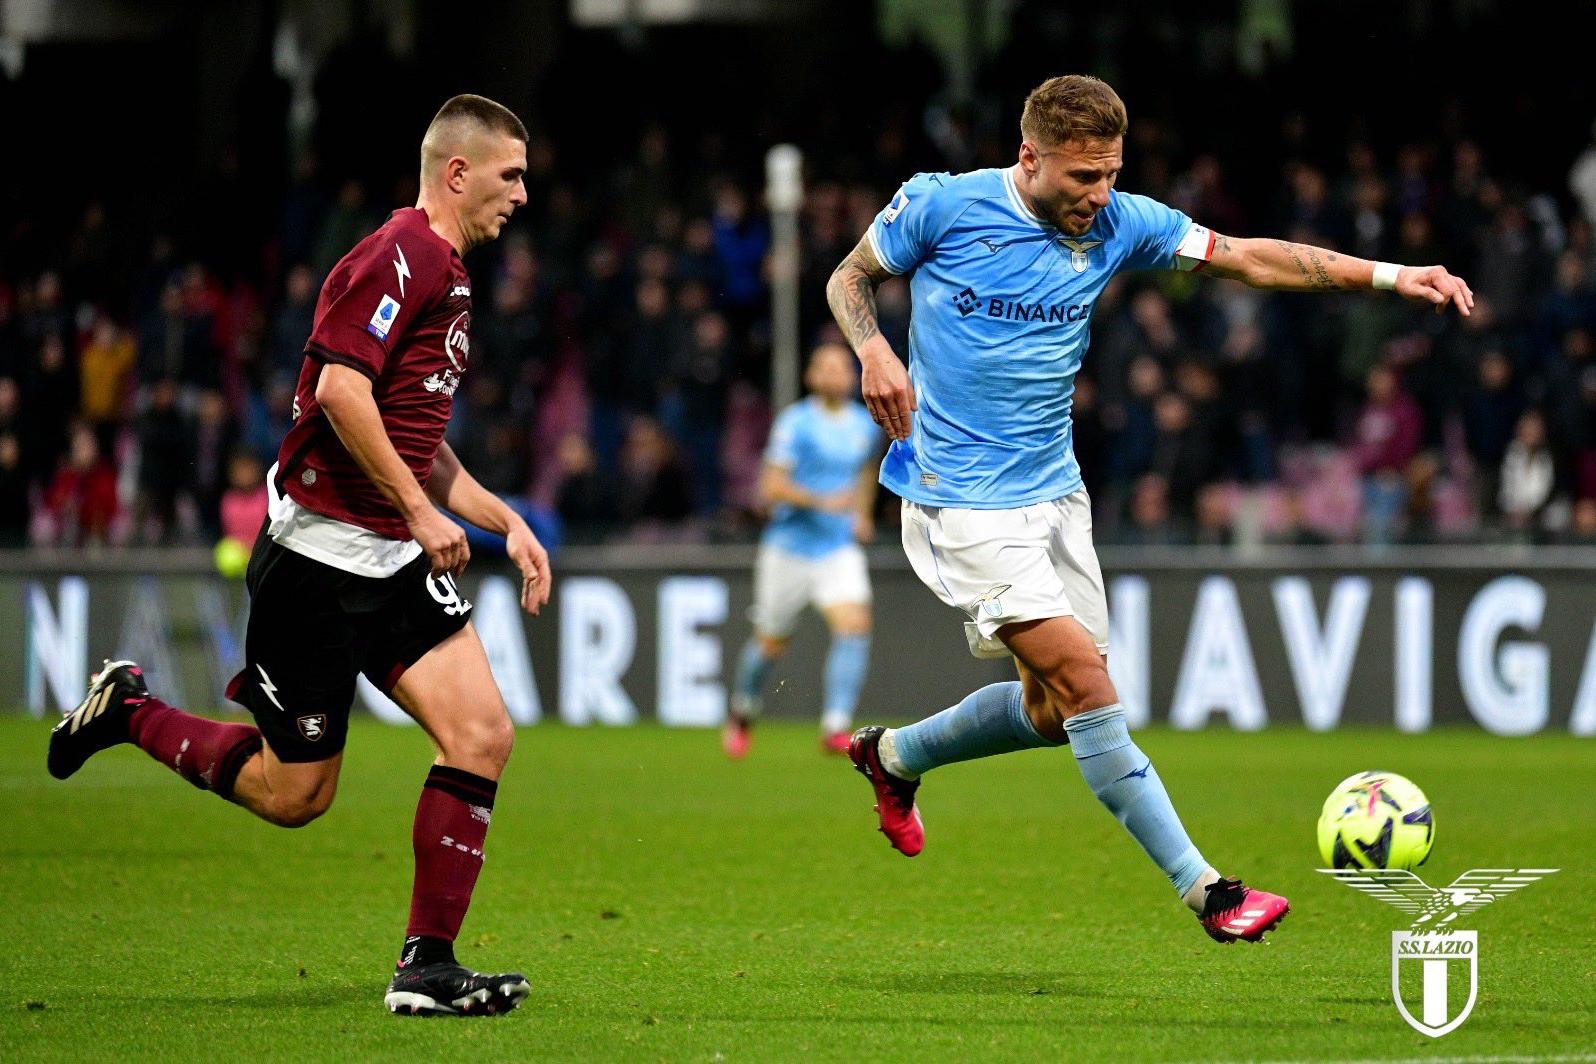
[354, 571]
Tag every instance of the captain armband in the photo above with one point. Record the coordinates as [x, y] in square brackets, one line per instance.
[1195, 250]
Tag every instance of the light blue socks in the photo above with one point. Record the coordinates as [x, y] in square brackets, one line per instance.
[989, 721]
[753, 672]
[1125, 781]
[846, 665]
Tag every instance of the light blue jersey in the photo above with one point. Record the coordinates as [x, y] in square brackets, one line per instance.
[823, 452]
[1002, 305]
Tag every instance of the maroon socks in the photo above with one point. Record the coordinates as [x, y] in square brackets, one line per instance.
[207, 753]
[451, 823]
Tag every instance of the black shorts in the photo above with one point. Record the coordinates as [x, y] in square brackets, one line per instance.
[314, 628]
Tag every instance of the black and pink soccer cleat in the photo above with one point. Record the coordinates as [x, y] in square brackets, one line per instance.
[900, 820]
[100, 721]
[1234, 911]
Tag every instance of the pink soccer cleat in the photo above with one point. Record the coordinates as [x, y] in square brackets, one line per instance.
[836, 742]
[1235, 911]
[735, 737]
[900, 820]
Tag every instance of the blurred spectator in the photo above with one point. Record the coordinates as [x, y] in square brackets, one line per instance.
[80, 502]
[1528, 475]
[1491, 409]
[1182, 456]
[741, 241]
[243, 505]
[586, 498]
[290, 328]
[166, 449]
[1388, 433]
[213, 434]
[50, 386]
[105, 370]
[175, 344]
[654, 488]
[694, 406]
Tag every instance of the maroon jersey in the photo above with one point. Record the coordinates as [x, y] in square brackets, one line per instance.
[398, 309]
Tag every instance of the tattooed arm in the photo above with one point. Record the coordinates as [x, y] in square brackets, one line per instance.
[883, 383]
[1290, 267]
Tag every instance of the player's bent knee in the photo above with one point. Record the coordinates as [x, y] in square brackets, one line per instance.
[483, 742]
[297, 810]
[1044, 713]
[1083, 689]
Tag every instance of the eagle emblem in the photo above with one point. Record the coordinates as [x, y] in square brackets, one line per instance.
[1078, 250]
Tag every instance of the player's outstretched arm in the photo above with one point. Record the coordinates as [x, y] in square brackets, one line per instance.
[1290, 267]
[883, 383]
[344, 395]
[452, 487]
[776, 488]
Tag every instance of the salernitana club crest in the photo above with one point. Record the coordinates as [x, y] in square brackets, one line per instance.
[1443, 955]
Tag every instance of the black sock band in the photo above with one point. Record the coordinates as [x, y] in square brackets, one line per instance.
[421, 950]
[466, 786]
[232, 763]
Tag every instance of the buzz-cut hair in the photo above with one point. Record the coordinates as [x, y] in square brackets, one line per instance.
[469, 108]
[1072, 107]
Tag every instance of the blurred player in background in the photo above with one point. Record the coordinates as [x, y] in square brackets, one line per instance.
[820, 484]
[1006, 266]
[354, 571]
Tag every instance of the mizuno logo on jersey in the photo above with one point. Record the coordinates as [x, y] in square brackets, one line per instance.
[993, 246]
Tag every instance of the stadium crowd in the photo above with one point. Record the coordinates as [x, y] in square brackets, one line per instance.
[620, 349]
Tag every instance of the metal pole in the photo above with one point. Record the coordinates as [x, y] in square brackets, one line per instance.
[784, 194]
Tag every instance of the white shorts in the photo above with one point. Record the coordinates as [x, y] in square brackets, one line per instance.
[1003, 566]
[785, 583]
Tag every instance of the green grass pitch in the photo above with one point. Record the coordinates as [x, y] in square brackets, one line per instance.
[669, 905]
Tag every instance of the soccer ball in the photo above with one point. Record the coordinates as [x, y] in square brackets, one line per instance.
[1376, 820]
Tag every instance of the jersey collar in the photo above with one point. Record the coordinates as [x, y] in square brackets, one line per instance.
[1017, 203]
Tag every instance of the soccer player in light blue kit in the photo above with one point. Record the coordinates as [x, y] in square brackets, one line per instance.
[1006, 267]
[819, 481]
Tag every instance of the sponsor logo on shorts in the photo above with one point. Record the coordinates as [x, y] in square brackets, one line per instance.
[313, 726]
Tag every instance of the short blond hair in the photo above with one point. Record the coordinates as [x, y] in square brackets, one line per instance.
[1072, 107]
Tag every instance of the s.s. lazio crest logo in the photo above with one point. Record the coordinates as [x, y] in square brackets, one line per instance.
[1078, 252]
[991, 603]
[1432, 943]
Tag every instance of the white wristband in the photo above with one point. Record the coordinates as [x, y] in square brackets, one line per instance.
[1385, 275]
